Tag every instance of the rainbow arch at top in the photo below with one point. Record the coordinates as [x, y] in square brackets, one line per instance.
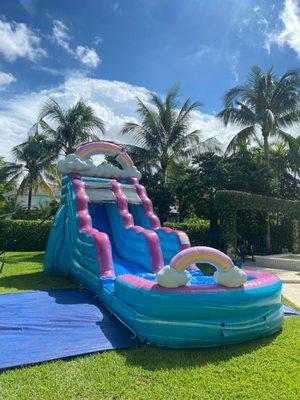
[105, 148]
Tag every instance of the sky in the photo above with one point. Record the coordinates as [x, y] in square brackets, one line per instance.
[108, 52]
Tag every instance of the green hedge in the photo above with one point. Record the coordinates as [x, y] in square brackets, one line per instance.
[197, 231]
[238, 210]
[251, 227]
[35, 236]
[29, 215]
[231, 199]
[251, 230]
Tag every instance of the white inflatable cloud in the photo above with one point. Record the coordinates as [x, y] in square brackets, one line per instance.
[107, 171]
[171, 278]
[234, 277]
[73, 163]
[131, 172]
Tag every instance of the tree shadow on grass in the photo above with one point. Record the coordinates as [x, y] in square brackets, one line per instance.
[35, 281]
[154, 358]
[25, 258]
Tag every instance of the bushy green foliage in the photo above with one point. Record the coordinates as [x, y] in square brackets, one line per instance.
[44, 211]
[242, 171]
[35, 235]
[230, 199]
[197, 230]
[251, 228]
[27, 215]
[244, 217]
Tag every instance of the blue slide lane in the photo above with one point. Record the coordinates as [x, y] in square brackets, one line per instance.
[169, 243]
[99, 214]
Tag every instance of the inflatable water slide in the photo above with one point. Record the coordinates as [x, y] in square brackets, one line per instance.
[106, 236]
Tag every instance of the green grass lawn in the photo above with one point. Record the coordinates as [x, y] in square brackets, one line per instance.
[263, 369]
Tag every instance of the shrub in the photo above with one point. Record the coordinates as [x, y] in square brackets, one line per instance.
[35, 236]
[197, 230]
[234, 205]
[233, 200]
[251, 228]
[28, 215]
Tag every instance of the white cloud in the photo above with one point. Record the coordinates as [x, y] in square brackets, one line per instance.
[113, 101]
[211, 126]
[290, 34]
[49, 70]
[6, 79]
[17, 40]
[216, 56]
[200, 54]
[234, 63]
[61, 36]
[29, 6]
[86, 55]
[97, 40]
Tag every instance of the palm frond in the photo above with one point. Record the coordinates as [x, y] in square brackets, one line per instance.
[240, 116]
[25, 184]
[286, 137]
[242, 135]
[233, 94]
[45, 186]
[52, 110]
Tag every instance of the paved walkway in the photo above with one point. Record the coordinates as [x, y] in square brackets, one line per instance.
[290, 279]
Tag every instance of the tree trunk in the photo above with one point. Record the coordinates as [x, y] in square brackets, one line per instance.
[266, 133]
[164, 167]
[268, 235]
[213, 226]
[230, 231]
[266, 146]
[296, 238]
[29, 198]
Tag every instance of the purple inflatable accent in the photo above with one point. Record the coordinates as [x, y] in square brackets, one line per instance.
[151, 237]
[260, 279]
[154, 220]
[147, 205]
[85, 225]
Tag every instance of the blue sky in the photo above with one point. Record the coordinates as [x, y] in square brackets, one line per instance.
[107, 52]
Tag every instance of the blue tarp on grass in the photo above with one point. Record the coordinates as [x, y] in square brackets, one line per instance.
[290, 311]
[46, 325]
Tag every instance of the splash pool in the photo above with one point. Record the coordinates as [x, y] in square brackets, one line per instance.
[282, 261]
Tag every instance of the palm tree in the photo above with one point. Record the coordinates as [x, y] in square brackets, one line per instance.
[279, 157]
[34, 166]
[163, 133]
[3, 173]
[6, 183]
[73, 127]
[294, 156]
[265, 103]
